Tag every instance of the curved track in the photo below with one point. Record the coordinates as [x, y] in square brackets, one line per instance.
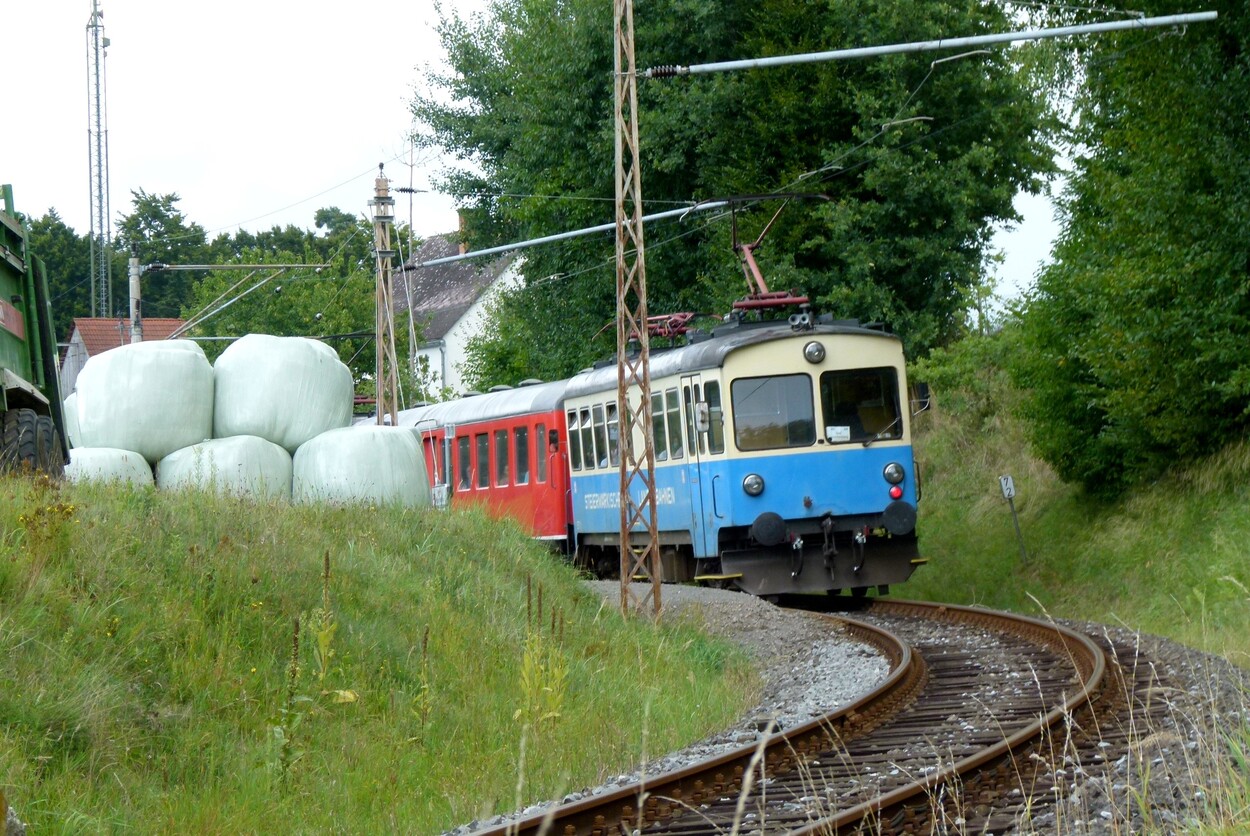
[954, 730]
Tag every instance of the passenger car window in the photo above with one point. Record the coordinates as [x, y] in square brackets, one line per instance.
[521, 436]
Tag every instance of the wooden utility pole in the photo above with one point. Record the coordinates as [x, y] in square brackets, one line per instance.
[386, 377]
[641, 554]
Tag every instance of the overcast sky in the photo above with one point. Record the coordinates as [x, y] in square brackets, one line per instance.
[255, 113]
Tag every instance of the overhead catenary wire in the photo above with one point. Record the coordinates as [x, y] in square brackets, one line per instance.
[563, 236]
[972, 41]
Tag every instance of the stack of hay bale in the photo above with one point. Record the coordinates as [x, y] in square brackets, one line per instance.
[271, 419]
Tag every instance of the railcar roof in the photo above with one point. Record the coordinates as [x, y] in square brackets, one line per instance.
[538, 397]
[710, 353]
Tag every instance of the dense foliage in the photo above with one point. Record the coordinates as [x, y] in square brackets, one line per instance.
[1137, 341]
[901, 237]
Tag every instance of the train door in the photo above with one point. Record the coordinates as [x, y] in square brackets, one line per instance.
[697, 415]
[436, 447]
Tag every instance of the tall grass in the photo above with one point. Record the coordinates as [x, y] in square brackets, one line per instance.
[179, 662]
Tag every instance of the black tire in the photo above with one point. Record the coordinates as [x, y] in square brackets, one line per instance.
[30, 442]
[49, 453]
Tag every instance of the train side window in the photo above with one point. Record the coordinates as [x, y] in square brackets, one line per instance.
[601, 436]
[521, 437]
[614, 437]
[575, 440]
[692, 435]
[588, 439]
[657, 427]
[716, 430]
[672, 403]
[483, 460]
[501, 457]
[464, 465]
[553, 446]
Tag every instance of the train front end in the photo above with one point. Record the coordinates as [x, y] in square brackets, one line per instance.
[818, 491]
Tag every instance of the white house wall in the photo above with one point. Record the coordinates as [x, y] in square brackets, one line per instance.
[454, 352]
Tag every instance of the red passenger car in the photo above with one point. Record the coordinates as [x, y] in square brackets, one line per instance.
[505, 450]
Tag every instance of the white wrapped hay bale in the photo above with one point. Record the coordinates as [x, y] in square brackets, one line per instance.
[373, 464]
[242, 465]
[152, 398]
[284, 389]
[70, 410]
[109, 465]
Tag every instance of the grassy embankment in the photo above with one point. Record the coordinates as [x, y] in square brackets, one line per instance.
[1171, 558]
[147, 642]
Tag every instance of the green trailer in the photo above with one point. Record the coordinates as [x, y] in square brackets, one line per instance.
[32, 424]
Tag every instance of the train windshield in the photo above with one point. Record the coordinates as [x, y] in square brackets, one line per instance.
[773, 412]
[860, 405]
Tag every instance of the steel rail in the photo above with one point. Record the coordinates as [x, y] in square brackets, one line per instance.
[1088, 659]
[679, 795]
[681, 791]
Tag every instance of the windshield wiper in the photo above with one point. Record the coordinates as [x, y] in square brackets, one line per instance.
[883, 433]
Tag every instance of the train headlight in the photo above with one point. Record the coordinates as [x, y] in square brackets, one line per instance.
[893, 473]
[753, 484]
[814, 352]
[896, 492]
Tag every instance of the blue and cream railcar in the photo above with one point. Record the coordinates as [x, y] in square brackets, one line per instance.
[783, 459]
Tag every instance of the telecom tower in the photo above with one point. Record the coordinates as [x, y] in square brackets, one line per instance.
[98, 150]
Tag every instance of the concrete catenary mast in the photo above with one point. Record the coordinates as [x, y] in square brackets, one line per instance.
[386, 377]
[98, 156]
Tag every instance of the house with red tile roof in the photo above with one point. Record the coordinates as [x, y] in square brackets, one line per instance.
[95, 335]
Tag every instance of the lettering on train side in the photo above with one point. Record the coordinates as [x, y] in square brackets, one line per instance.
[608, 500]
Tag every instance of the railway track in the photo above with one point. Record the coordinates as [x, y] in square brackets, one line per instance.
[983, 718]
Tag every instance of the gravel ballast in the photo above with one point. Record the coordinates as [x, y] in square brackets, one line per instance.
[805, 672]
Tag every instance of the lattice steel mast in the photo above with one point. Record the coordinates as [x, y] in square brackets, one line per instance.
[386, 378]
[637, 466]
[98, 156]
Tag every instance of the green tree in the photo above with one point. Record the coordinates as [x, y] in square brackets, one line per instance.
[67, 256]
[335, 303]
[527, 108]
[1137, 340]
[163, 236]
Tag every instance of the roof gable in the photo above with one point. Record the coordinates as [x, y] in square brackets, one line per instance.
[441, 294]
